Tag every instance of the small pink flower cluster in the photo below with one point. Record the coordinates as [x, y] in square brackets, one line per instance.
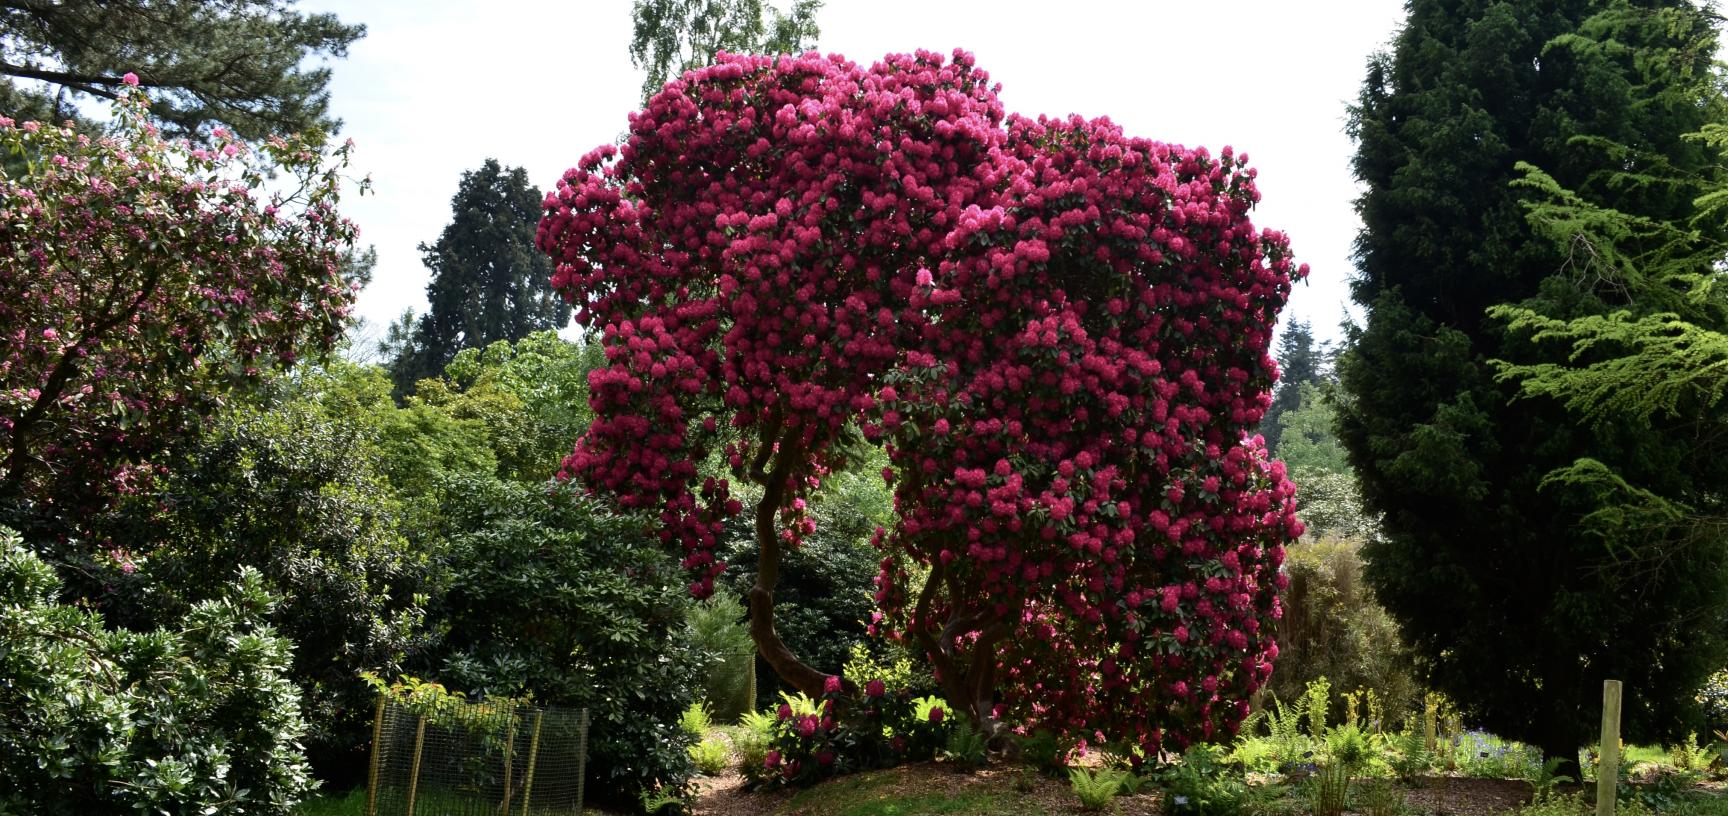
[1059, 332]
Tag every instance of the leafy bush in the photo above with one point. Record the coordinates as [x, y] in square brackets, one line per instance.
[295, 496]
[1379, 797]
[966, 746]
[1095, 790]
[811, 740]
[1045, 752]
[823, 599]
[718, 631]
[545, 593]
[195, 719]
[1333, 628]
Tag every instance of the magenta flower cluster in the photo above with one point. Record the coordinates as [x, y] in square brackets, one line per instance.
[1058, 332]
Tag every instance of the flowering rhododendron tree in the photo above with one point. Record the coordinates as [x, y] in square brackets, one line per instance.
[139, 279]
[1058, 332]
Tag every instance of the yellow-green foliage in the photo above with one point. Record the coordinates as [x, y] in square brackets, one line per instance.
[710, 756]
[695, 720]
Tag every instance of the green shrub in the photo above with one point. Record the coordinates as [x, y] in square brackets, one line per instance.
[1379, 797]
[1096, 791]
[1333, 628]
[196, 719]
[547, 593]
[1045, 752]
[710, 756]
[717, 630]
[297, 497]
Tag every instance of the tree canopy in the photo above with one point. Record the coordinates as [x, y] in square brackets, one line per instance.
[489, 283]
[142, 281]
[238, 63]
[674, 36]
[1058, 332]
[1517, 607]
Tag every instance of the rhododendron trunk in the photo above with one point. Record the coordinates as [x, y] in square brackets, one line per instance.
[1057, 332]
[795, 672]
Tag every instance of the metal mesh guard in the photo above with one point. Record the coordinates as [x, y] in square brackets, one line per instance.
[478, 759]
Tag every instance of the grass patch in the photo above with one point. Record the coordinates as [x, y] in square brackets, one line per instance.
[889, 794]
[1645, 753]
[352, 803]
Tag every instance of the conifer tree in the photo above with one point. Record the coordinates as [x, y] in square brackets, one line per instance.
[489, 283]
[1299, 363]
[1518, 604]
[241, 63]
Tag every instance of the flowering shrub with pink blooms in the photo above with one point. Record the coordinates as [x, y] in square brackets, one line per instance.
[1058, 332]
[841, 733]
[139, 279]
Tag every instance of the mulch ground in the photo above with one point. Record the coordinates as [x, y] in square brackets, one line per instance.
[725, 796]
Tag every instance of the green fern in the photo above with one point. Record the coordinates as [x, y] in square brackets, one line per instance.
[966, 746]
[695, 720]
[1096, 790]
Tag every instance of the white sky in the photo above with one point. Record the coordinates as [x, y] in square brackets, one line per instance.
[438, 86]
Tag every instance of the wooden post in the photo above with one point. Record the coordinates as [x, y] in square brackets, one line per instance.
[414, 775]
[509, 758]
[377, 757]
[1608, 769]
[533, 756]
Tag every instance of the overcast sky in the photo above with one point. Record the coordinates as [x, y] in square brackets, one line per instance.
[438, 86]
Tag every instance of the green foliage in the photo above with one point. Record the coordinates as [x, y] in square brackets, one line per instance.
[185, 720]
[489, 281]
[967, 746]
[1334, 628]
[751, 742]
[1045, 752]
[1328, 790]
[710, 756]
[718, 631]
[1306, 439]
[245, 64]
[1379, 797]
[695, 720]
[823, 599]
[547, 594]
[1202, 784]
[674, 36]
[1096, 790]
[295, 496]
[1523, 537]
[1347, 746]
[1300, 368]
[1547, 778]
[1317, 705]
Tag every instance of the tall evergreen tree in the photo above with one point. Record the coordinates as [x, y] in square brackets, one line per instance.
[489, 282]
[1514, 604]
[1299, 362]
[674, 36]
[241, 63]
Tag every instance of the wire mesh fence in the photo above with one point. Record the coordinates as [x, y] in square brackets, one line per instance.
[474, 759]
